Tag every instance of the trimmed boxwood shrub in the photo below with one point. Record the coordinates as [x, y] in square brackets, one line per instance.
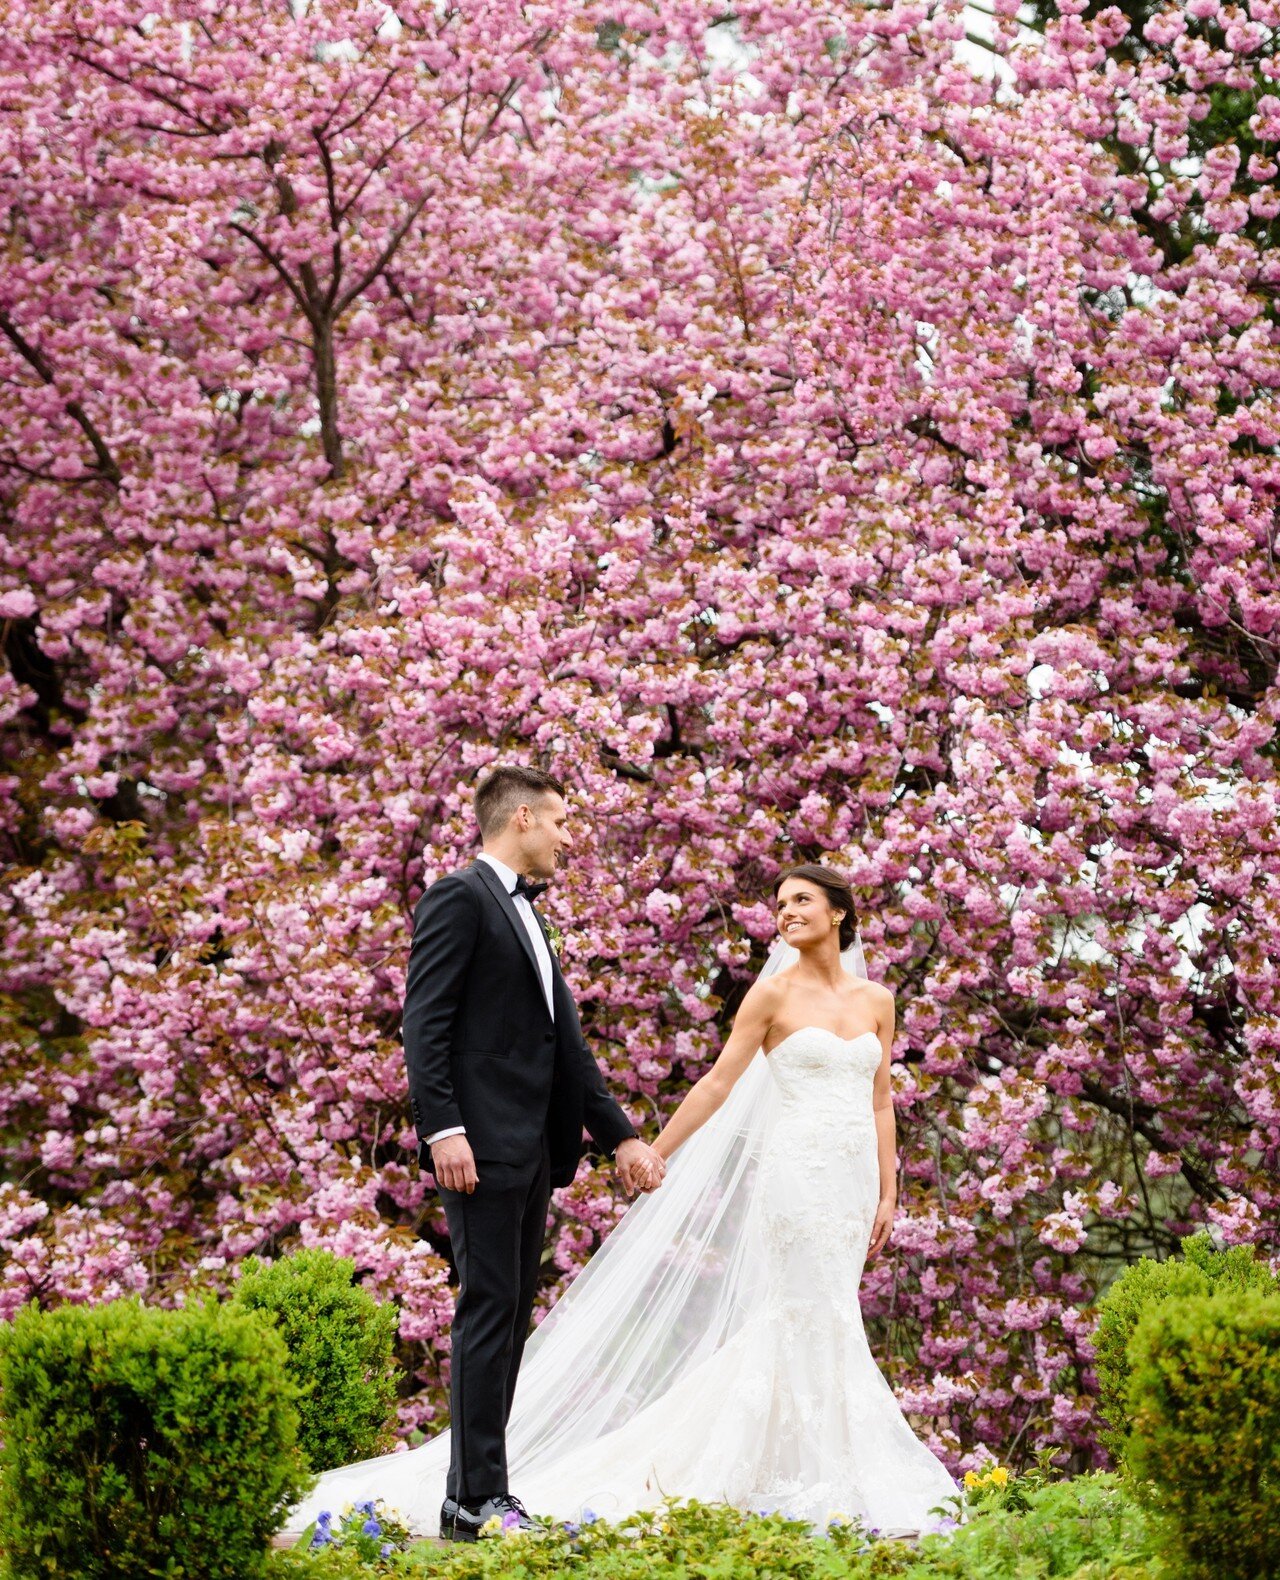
[140, 1442]
[1146, 1283]
[1204, 1451]
[341, 1351]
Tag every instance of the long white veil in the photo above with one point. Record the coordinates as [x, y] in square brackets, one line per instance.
[671, 1283]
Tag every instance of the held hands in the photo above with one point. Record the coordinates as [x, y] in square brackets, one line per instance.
[453, 1164]
[882, 1228]
[639, 1166]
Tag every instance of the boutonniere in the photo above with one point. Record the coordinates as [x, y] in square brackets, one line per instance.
[554, 937]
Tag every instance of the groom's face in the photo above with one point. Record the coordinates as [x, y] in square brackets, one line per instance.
[545, 840]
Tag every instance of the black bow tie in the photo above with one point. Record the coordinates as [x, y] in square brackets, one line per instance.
[531, 891]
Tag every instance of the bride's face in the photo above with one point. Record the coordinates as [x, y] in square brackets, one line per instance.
[804, 913]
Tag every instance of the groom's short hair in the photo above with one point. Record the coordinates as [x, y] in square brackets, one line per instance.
[505, 789]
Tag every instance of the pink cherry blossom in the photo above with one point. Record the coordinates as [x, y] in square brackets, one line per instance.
[805, 439]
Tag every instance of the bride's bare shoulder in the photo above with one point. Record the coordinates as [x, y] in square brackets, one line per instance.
[765, 1000]
[878, 998]
[767, 993]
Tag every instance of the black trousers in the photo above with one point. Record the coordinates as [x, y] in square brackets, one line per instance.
[497, 1233]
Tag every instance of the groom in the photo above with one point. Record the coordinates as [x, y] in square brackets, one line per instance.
[501, 1084]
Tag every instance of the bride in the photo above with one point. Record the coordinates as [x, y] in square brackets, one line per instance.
[713, 1347]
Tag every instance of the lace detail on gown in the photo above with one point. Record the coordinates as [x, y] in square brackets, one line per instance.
[791, 1411]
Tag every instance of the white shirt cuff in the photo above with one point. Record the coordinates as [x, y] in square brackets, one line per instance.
[453, 1130]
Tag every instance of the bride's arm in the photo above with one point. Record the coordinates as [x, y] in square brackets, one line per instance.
[886, 1131]
[750, 1027]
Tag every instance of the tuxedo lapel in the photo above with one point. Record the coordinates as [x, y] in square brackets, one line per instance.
[494, 884]
[542, 928]
[557, 970]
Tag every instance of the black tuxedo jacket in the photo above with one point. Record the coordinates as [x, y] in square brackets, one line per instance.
[480, 1045]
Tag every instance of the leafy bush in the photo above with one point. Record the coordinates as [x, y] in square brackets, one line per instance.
[1237, 1269]
[1025, 1527]
[341, 1351]
[140, 1442]
[1050, 1529]
[1204, 1451]
[300, 1563]
[1146, 1283]
[679, 1540]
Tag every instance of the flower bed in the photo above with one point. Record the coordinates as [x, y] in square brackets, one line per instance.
[1011, 1528]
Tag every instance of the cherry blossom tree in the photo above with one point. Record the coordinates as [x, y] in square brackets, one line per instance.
[809, 439]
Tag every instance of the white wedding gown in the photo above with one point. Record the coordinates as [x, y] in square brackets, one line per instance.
[788, 1411]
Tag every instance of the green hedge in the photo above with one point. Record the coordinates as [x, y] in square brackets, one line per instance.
[140, 1442]
[341, 1352]
[1204, 1450]
[1145, 1284]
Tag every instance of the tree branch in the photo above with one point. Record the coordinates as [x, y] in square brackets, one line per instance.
[35, 359]
[384, 257]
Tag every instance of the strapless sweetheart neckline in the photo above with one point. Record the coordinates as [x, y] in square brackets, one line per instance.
[826, 1030]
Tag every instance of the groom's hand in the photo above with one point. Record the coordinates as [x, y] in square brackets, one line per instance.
[454, 1164]
[639, 1166]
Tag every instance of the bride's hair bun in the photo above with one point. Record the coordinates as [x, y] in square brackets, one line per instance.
[837, 891]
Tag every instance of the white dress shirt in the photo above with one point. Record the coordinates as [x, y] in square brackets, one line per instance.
[541, 953]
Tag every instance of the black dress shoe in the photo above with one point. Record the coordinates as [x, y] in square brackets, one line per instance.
[463, 1522]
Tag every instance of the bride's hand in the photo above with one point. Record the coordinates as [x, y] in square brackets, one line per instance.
[639, 1166]
[882, 1228]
